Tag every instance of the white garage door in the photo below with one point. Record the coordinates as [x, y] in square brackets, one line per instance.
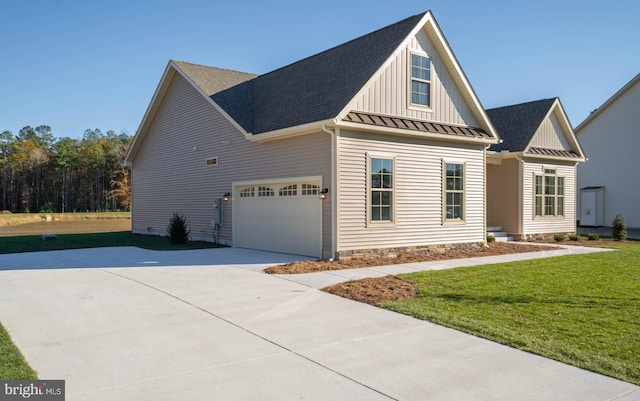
[283, 217]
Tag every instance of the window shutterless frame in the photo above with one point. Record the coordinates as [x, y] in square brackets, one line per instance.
[548, 194]
[453, 191]
[419, 85]
[381, 189]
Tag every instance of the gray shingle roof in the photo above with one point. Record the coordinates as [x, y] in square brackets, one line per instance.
[211, 79]
[516, 124]
[313, 89]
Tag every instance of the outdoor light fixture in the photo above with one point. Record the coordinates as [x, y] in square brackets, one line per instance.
[323, 193]
[227, 196]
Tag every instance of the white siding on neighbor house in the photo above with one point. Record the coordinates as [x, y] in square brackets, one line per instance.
[418, 192]
[169, 172]
[550, 135]
[503, 196]
[541, 224]
[388, 93]
[611, 142]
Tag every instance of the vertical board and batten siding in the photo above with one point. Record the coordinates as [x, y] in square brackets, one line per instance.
[550, 135]
[503, 196]
[388, 93]
[170, 172]
[418, 192]
[539, 225]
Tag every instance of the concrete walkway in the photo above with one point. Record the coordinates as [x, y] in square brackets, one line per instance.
[128, 324]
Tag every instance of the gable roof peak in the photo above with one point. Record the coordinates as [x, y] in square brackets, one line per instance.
[517, 123]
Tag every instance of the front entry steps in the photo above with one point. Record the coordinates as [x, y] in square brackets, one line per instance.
[498, 234]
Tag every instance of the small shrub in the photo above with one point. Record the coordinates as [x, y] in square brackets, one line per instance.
[593, 237]
[559, 237]
[178, 229]
[490, 238]
[574, 237]
[6, 212]
[619, 228]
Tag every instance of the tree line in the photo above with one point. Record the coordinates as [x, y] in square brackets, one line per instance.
[42, 173]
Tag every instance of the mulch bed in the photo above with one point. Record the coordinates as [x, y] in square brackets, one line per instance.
[374, 291]
[494, 248]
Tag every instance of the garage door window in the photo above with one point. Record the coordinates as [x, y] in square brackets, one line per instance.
[289, 190]
[265, 191]
[248, 192]
[310, 189]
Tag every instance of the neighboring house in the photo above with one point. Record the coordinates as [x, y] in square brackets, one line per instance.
[531, 174]
[374, 146]
[609, 183]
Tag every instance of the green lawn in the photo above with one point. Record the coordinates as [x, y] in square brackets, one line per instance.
[33, 243]
[582, 310]
[12, 363]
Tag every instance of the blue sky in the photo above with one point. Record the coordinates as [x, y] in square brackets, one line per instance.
[77, 64]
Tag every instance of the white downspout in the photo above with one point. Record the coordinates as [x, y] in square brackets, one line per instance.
[334, 191]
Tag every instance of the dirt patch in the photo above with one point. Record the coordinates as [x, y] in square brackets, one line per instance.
[494, 248]
[374, 291]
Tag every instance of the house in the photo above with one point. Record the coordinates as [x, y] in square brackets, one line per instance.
[531, 174]
[374, 146]
[608, 183]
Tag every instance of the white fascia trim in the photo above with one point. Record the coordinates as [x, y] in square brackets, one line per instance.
[608, 103]
[413, 134]
[289, 132]
[161, 89]
[462, 77]
[567, 126]
[312, 178]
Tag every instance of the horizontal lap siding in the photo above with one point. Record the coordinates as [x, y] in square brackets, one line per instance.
[541, 225]
[418, 193]
[170, 172]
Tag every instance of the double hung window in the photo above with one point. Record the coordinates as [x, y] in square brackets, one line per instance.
[420, 80]
[381, 187]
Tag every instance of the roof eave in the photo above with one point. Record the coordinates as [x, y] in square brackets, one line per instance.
[161, 89]
[290, 132]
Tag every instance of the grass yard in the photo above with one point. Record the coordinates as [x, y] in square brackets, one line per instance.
[12, 364]
[582, 310]
[34, 243]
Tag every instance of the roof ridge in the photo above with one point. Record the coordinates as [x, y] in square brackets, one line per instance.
[214, 67]
[523, 103]
[344, 43]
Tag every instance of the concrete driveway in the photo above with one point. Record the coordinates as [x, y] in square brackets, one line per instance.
[130, 324]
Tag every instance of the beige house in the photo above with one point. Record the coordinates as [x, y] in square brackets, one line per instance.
[531, 174]
[375, 146]
[608, 183]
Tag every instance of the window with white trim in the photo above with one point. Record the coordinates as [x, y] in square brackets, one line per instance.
[420, 80]
[454, 191]
[549, 194]
[381, 183]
